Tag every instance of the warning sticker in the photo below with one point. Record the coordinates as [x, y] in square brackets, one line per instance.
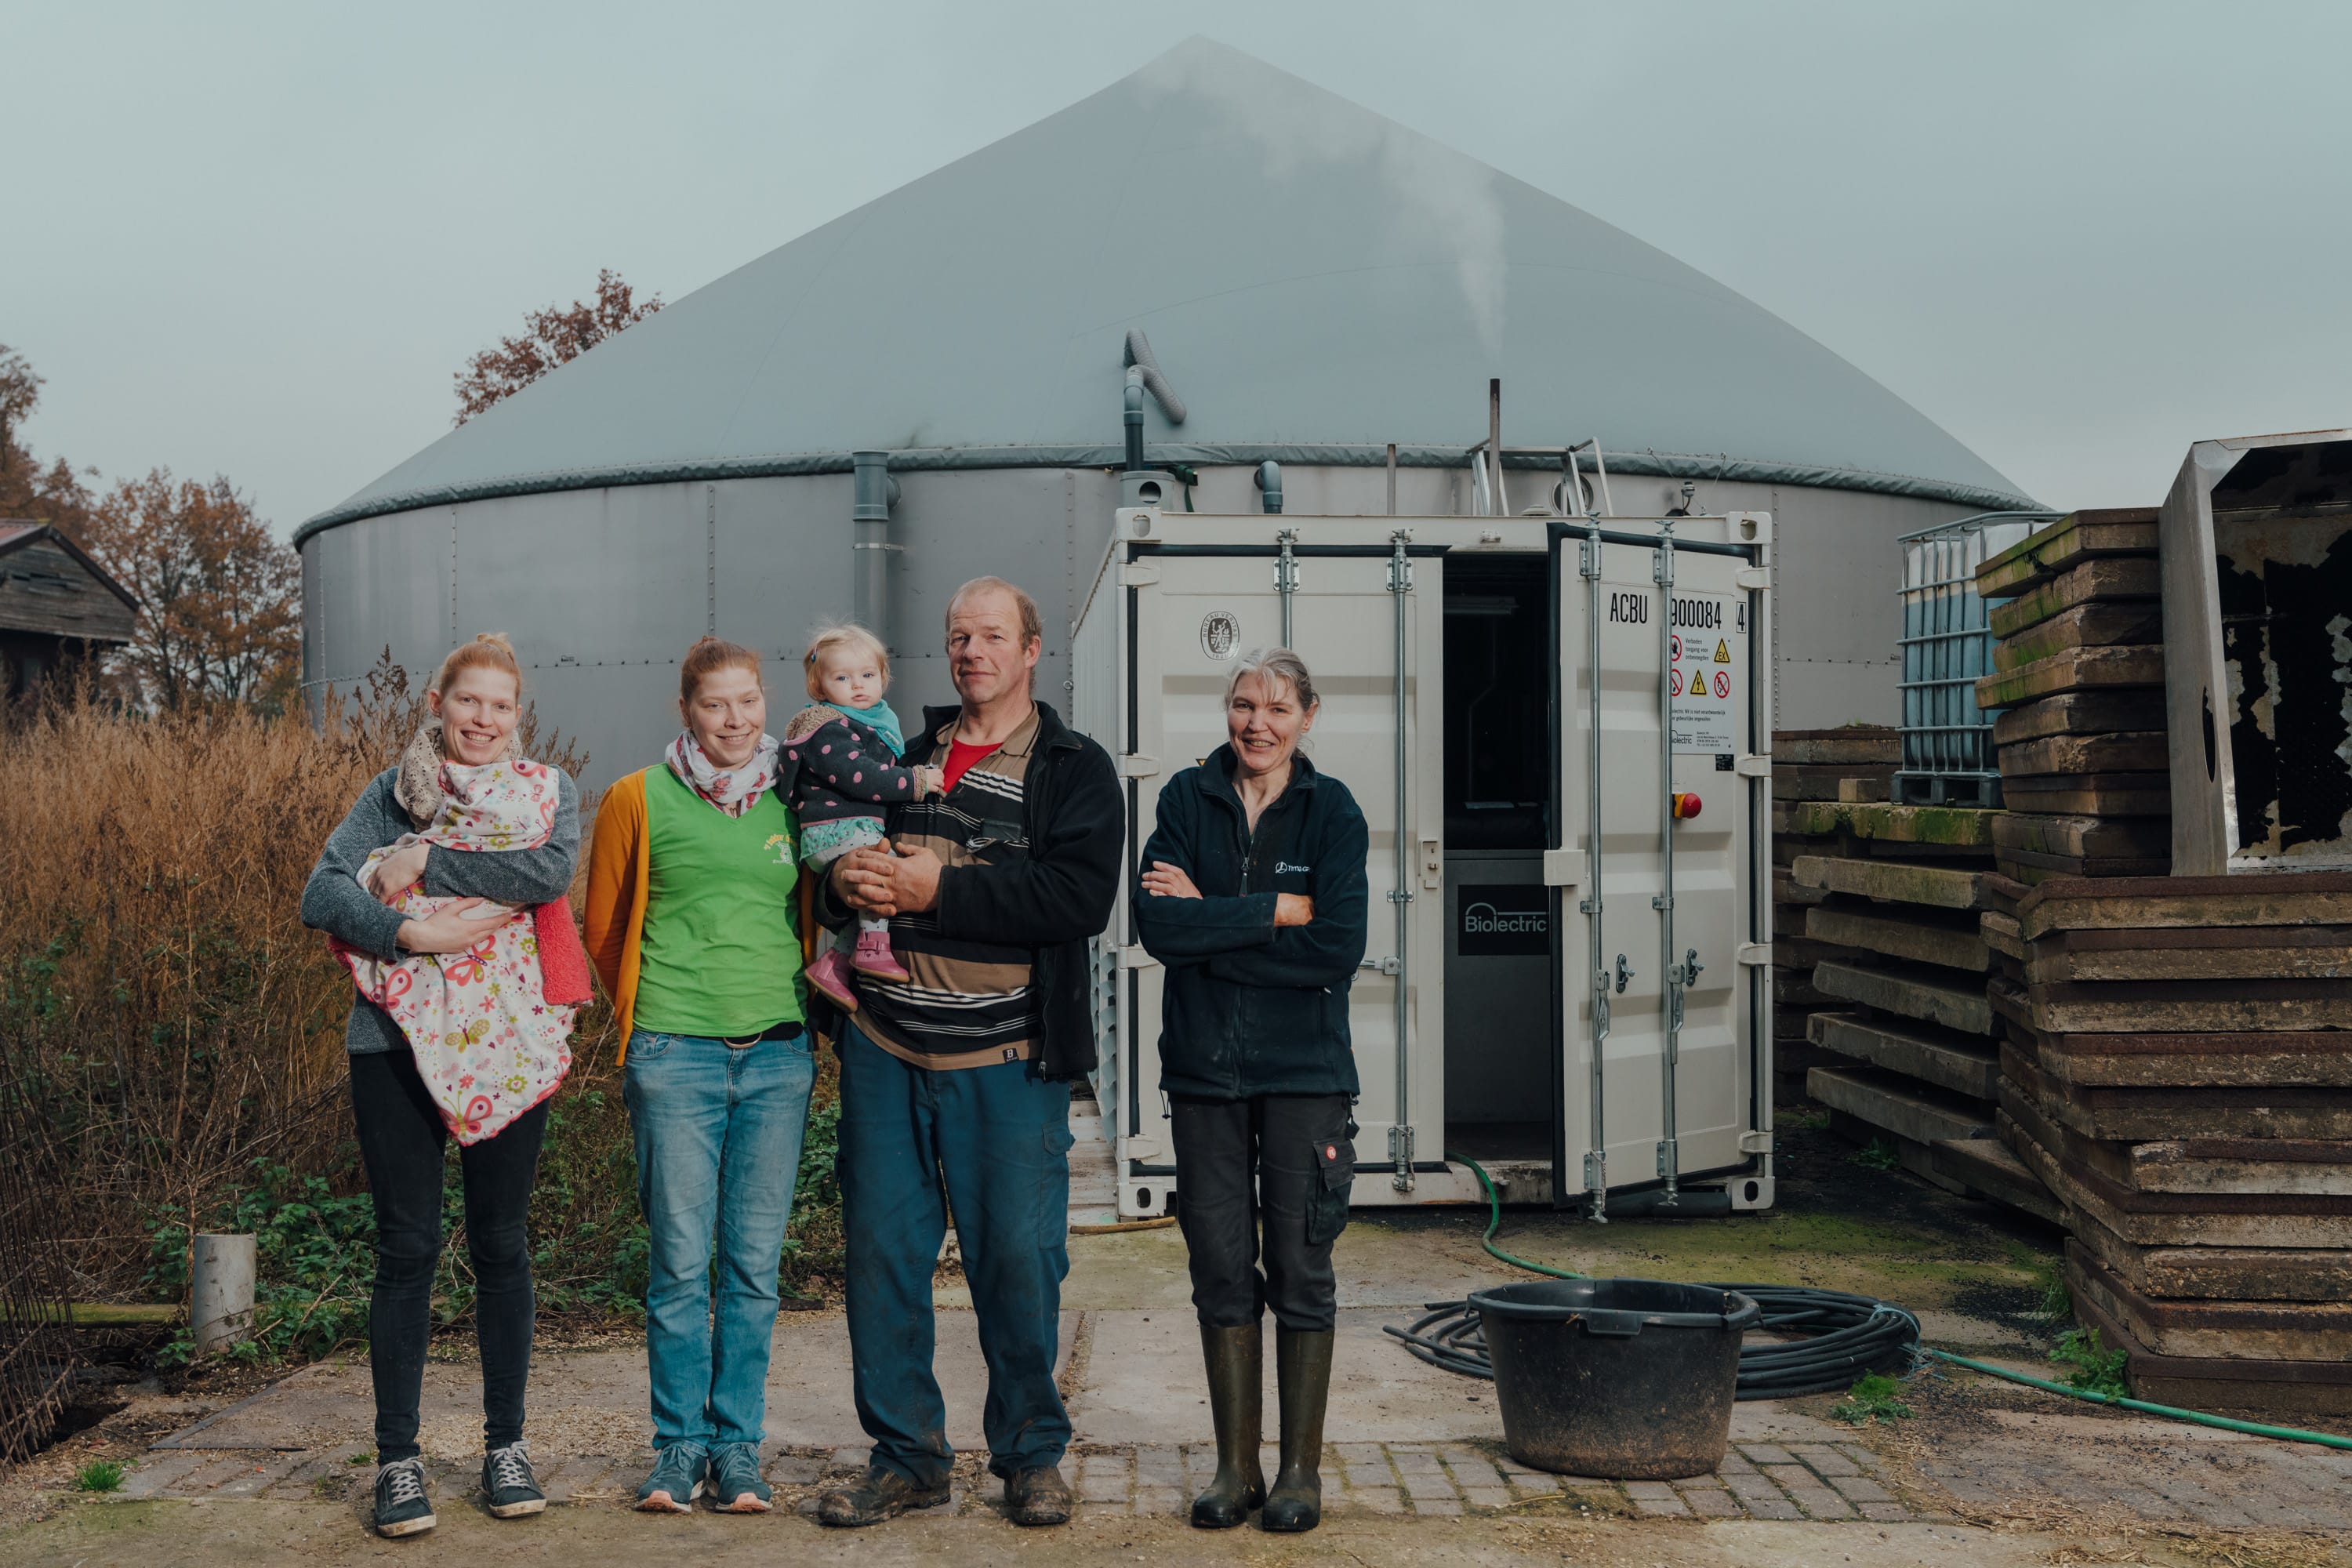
[1706, 718]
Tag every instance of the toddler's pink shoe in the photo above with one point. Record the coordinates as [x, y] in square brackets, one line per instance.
[874, 956]
[831, 978]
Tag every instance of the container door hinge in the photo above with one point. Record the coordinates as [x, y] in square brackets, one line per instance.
[1138, 573]
[1754, 1143]
[1133, 956]
[1755, 579]
[1755, 952]
[1562, 867]
[1135, 765]
[1754, 767]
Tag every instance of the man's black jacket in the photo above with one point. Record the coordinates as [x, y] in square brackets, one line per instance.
[1052, 902]
[1249, 1009]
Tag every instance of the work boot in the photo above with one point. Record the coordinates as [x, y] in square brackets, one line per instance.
[1038, 1496]
[881, 1493]
[1236, 1360]
[1302, 1374]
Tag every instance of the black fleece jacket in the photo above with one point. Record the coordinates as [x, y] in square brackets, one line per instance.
[1249, 1009]
[1054, 901]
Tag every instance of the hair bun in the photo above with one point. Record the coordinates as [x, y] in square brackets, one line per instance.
[497, 640]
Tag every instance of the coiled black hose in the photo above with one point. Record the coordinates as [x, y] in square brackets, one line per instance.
[1847, 1336]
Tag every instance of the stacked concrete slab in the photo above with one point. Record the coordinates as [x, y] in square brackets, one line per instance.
[2078, 674]
[1809, 766]
[1913, 1048]
[2177, 1070]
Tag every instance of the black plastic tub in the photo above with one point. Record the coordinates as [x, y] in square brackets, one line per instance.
[1627, 1379]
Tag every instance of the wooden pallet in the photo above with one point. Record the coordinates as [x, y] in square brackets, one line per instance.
[1893, 881]
[2080, 714]
[2080, 536]
[1986, 1167]
[1916, 935]
[2192, 953]
[2093, 582]
[2116, 751]
[2219, 1273]
[2091, 794]
[2313, 898]
[1941, 1058]
[2174, 1219]
[2270, 1388]
[2243, 1330]
[1931, 996]
[2084, 625]
[2135, 1113]
[2073, 670]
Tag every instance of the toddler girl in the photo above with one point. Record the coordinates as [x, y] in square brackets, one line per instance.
[839, 768]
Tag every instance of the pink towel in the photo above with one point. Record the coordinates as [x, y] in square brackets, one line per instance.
[563, 961]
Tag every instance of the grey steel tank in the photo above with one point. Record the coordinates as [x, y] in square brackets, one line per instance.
[1307, 281]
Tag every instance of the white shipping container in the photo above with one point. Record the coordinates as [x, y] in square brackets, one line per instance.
[1454, 657]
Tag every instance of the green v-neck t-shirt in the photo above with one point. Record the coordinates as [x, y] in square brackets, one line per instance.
[721, 954]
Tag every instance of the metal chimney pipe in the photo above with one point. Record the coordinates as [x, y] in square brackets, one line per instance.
[871, 492]
[1494, 443]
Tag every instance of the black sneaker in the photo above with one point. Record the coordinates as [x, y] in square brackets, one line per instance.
[508, 1489]
[401, 1506]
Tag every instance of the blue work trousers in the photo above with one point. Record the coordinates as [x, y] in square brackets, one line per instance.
[992, 1142]
[717, 1131]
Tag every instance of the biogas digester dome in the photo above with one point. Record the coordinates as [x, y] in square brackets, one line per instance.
[1316, 282]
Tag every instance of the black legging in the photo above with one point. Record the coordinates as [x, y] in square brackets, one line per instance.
[1276, 1167]
[401, 1138]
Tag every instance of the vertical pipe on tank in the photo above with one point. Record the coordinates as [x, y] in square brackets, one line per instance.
[1670, 994]
[1134, 417]
[1393, 479]
[869, 520]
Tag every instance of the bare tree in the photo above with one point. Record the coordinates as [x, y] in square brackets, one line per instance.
[554, 336]
[219, 597]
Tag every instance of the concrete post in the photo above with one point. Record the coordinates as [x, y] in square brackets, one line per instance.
[222, 1272]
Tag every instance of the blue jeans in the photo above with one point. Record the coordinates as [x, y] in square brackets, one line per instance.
[994, 1142]
[719, 1147]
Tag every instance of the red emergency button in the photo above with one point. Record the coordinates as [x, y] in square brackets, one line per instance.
[1685, 806]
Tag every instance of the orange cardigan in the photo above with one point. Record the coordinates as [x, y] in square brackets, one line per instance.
[620, 857]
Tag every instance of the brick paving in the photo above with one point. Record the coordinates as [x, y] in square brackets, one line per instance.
[1432, 1479]
[2218, 1485]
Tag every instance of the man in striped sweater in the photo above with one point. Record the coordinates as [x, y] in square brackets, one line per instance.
[955, 1080]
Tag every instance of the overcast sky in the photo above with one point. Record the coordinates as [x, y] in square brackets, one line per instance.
[257, 239]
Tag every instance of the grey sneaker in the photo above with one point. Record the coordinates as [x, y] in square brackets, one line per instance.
[735, 1483]
[401, 1506]
[676, 1480]
[508, 1489]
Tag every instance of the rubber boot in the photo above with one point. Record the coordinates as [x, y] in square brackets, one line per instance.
[1302, 1371]
[1236, 1359]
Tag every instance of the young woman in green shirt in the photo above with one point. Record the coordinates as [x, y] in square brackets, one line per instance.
[693, 923]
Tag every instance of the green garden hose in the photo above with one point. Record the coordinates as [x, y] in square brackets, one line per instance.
[2169, 1412]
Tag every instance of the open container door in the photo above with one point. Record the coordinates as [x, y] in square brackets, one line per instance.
[1191, 610]
[1661, 953]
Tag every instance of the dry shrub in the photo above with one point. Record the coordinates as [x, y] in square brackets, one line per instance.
[169, 1020]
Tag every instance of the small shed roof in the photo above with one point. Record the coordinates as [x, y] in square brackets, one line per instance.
[19, 538]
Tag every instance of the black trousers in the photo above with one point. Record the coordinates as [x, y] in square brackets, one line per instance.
[402, 1137]
[1268, 1174]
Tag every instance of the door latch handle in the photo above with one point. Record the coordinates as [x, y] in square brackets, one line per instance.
[1624, 973]
[1691, 966]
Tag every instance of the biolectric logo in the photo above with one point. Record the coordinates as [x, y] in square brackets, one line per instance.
[1484, 920]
